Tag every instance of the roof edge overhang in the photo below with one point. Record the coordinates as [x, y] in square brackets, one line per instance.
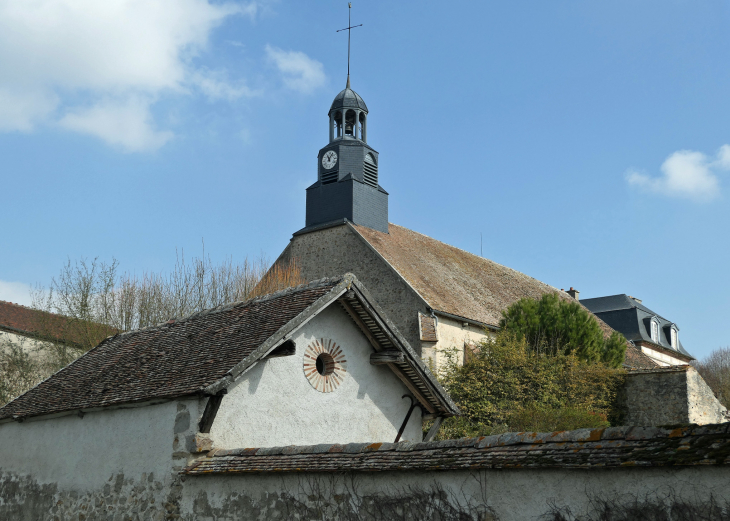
[368, 316]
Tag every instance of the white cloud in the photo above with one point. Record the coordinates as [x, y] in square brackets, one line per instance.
[126, 124]
[52, 51]
[17, 292]
[685, 174]
[300, 72]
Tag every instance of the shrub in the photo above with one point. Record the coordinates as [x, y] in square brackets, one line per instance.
[506, 385]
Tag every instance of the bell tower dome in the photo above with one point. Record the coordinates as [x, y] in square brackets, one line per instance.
[347, 186]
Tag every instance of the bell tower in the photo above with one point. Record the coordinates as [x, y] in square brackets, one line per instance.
[348, 174]
[347, 186]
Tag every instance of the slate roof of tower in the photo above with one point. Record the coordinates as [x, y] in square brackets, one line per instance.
[177, 358]
[632, 318]
[348, 98]
[689, 445]
[460, 283]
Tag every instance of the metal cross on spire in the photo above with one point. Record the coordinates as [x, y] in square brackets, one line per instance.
[349, 29]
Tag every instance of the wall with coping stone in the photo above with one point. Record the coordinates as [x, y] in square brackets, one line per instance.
[107, 463]
[273, 404]
[338, 250]
[671, 396]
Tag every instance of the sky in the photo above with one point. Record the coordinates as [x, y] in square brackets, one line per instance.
[585, 144]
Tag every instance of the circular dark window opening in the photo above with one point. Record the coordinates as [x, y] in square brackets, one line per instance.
[325, 364]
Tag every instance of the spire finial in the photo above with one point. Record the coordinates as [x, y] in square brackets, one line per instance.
[349, 29]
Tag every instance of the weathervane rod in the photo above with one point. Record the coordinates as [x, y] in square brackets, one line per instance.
[349, 29]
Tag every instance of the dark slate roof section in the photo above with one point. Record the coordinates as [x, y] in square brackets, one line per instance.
[582, 449]
[349, 99]
[177, 358]
[632, 319]
[204, 353]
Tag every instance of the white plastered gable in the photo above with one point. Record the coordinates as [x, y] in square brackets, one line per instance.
[275, 404]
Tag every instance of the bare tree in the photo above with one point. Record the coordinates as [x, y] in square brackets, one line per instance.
[91, 300]
[715, 369]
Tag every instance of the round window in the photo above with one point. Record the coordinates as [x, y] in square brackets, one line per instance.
[324, 365]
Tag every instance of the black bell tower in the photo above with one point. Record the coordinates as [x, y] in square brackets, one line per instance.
[347, 182]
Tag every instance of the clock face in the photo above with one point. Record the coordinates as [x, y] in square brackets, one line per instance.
[329, 159]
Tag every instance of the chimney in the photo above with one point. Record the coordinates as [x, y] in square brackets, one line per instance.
[574, 293]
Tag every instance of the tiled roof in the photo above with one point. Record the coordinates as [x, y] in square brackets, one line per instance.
[460, 283]
[453, 280]
[635, 359]
[177, 358]
[584, 448]
[32, 322]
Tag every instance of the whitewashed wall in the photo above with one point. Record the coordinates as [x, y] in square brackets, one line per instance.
[495, 495]
[81, 453]
[28, 345]
[274, 404]
[452, 335]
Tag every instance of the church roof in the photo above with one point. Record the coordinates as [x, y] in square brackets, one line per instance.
[451, 280]
[348, 99]
[204, 353]
[459, 283]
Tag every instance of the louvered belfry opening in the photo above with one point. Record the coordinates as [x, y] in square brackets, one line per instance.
[370, 171]
[329, 177]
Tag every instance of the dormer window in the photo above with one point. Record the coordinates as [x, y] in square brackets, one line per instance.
[654, 331]
[673, 338]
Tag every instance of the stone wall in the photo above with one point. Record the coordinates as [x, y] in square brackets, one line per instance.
[670, 474]
[338, 250]
[671, 395]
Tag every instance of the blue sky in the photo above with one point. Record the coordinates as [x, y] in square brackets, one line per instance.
[586, 141]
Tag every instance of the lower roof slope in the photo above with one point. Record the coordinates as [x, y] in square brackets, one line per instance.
[177, 358]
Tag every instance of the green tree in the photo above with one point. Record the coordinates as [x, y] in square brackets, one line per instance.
[551, 325]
